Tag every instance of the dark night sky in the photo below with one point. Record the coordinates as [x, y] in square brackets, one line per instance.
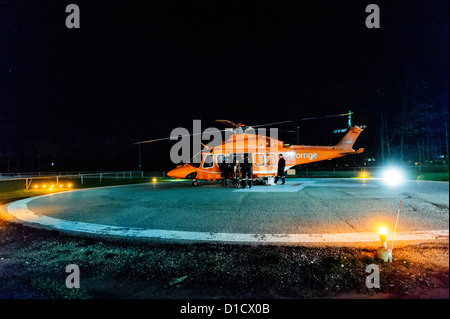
[137, 69]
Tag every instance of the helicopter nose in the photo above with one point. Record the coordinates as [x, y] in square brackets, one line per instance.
[180, 172]
[173, 173]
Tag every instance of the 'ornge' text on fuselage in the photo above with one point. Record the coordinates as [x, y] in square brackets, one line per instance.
[309, 156]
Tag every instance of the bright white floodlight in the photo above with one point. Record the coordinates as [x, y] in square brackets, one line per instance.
[393, 176]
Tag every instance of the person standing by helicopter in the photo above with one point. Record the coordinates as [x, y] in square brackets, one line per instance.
[230, 167]
[280, 172]
[246, 172]
[224, 170]
[235, 171]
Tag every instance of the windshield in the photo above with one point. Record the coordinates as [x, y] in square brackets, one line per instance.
[196, 160]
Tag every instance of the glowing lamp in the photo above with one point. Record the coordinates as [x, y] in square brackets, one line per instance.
[43, 186]
[35, 186]
[70, 185]
[382, 252]
[393, 176]
[383, 232]
[154, 180]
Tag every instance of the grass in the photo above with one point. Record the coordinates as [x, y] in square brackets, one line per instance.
[443, 177]
[438, 177]
[11, 196]
[15, 190]
[47, 287]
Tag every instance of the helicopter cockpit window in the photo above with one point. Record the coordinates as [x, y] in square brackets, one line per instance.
[196, 160]
[209, 161]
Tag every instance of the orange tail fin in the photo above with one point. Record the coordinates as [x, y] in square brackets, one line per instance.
[346, 143]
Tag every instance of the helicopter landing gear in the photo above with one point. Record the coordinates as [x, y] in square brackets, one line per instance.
[194, 183]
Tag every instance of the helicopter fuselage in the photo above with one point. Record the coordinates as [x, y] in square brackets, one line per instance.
[263, 154]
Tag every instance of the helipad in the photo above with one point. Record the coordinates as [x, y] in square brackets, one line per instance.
[301, 211]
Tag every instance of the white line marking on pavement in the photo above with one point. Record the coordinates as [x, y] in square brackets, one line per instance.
[286, 188]
[19, 209]
[292, 186]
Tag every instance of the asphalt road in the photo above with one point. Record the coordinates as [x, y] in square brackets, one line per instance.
[301, 206]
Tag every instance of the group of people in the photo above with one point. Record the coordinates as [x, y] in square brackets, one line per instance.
[241, 172]
[238, 172]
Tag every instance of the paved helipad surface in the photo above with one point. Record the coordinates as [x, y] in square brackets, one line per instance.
[302, 210]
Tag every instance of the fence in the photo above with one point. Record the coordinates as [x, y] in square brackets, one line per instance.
[409, 172]
[27, 180]
[63, 179]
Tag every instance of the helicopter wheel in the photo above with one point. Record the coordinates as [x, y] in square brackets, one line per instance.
[195, 183]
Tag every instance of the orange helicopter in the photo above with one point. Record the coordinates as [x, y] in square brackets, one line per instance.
[262, 151]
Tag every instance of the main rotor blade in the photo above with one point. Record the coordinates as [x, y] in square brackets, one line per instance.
[165, 138]
[304, 119]
[168, 138]
[232, 125]
[228, 123]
